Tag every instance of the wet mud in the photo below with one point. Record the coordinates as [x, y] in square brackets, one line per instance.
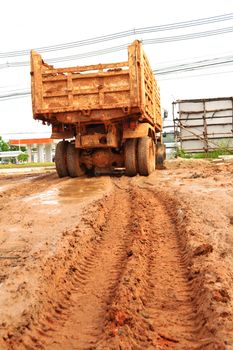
[107, 263]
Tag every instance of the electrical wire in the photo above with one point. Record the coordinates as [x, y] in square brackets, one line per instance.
[195, 65]
[14, 96]
[123, 34]
[175, 77]
[108, 50]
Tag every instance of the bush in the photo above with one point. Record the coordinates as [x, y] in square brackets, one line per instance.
[181, 153]
[23, 157]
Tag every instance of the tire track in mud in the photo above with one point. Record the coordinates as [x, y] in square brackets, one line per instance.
[97, 277]
[170, 298]
[129, 289]
[26, 185]
[79, 321]
[156, 305]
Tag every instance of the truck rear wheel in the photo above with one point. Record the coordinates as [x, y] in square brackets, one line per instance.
[146, 156]
[60, 159]
[75, 169]
[131, 157]
[160, 155]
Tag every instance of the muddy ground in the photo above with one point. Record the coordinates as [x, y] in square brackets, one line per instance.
[118, 263]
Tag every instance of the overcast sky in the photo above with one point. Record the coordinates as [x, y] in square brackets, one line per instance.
[28, 24]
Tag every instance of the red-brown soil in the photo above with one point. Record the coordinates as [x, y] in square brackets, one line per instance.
[118, 263]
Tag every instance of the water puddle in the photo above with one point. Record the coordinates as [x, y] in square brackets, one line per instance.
[73, 190]
[201, 188]
[48, 197]
[3, 188]
[79, 189]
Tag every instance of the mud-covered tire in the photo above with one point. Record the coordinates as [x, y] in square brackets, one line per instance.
[60, 159]
[160, 155]
[131, 167]
[146, 156]
[75, 169]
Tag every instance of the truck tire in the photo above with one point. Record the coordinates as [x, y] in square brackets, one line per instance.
[75, 169]
[60, 158]
[146, 156]
[160, 155]
[131, 167]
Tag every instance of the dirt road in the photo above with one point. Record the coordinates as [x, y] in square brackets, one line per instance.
[118, 263]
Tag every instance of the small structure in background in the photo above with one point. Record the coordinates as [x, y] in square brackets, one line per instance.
[168, 135]
[168, 139]
[9, 156]
[204, 125]
[39, 150]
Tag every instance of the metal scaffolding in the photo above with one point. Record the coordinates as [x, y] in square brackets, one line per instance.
[204, 125]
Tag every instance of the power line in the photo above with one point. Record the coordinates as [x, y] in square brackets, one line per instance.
[108, 50]
[123, 34]
[188, 36]
[13, 96]
[206, 56]
[195, 65]
[194, 76]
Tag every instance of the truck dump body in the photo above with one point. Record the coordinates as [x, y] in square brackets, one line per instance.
[109, 112]
[96, 93]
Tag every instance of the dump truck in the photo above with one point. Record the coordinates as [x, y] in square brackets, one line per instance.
[107, 116]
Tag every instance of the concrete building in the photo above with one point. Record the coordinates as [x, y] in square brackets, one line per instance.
[39, 150]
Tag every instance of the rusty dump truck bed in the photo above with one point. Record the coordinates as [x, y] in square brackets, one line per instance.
[96, 93]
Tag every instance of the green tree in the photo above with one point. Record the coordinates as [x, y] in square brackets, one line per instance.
[23, 157]
[4, 146]
[17, 148]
